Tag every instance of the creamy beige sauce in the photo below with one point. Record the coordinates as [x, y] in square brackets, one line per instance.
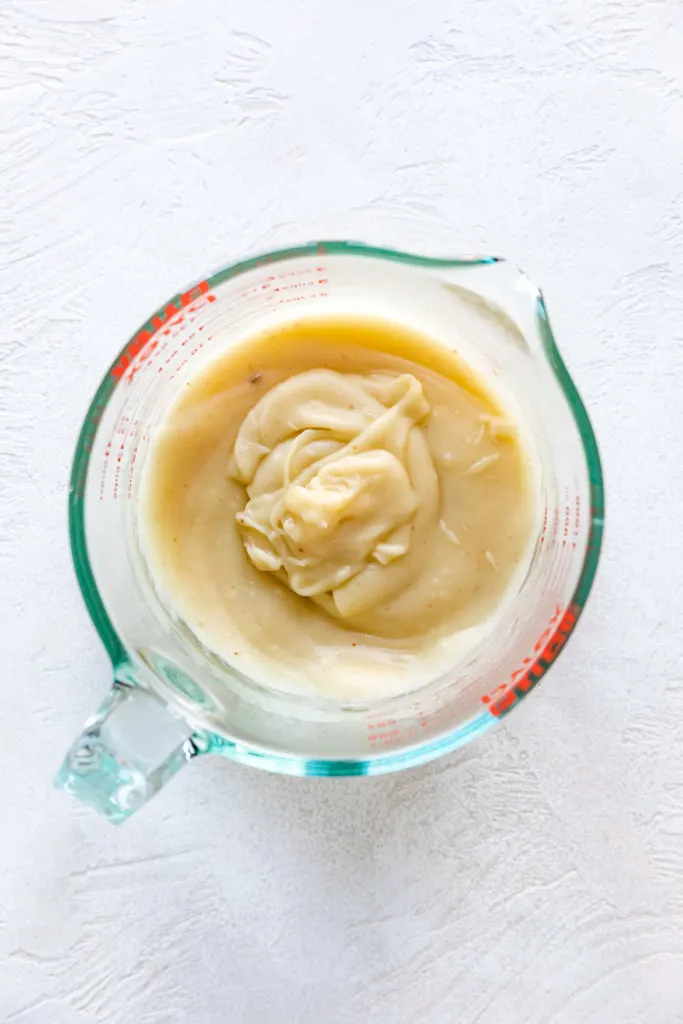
[338, 506]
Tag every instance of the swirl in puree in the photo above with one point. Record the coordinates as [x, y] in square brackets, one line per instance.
[341, 484]
[327, 513]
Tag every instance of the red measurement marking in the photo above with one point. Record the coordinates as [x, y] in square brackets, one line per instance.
[131, 471]
[556, 523]
[391, 734]
[386, 731]
[250, 293]
[105, 466]
[174, 312]
[295, 284]
[547, 648]
[117, 474]
[545, 525]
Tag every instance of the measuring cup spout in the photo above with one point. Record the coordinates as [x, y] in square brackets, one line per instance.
[127, 751]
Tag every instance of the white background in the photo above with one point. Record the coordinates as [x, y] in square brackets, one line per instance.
[537, 876]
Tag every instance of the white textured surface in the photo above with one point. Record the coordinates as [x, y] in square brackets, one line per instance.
[537, 877]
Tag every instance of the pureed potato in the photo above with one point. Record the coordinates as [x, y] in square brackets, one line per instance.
[338, 506]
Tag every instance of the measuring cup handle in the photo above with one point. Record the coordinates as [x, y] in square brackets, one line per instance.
[127, 751]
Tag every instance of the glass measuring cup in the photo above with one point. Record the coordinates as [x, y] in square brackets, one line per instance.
[172, 699]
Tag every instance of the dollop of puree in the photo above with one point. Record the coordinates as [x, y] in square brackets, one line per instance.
[341, 486]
